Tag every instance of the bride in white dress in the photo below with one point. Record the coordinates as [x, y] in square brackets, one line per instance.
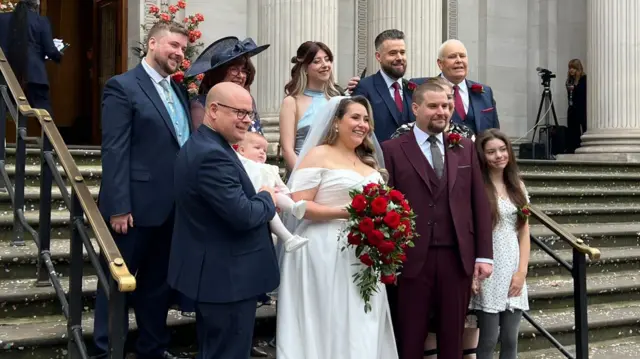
[320, 310]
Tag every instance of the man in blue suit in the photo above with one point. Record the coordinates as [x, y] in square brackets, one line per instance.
[145, 122]
[475, 106]
[222, 254]
[25, 38]
[386, 90]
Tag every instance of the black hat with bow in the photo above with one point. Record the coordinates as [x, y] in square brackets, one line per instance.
[223, 51]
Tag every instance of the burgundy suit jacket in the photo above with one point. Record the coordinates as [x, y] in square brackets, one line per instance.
[468, 201]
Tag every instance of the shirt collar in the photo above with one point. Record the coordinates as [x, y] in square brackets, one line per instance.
[462, 86]
[421, 136]
[389, 81]
[155, 76]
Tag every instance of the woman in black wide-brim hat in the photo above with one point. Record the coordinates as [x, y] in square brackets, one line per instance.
[227, 59]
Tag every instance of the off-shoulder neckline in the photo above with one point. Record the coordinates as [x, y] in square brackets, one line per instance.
[339, 169]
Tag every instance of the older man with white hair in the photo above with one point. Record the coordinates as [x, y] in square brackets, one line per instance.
[475, 106]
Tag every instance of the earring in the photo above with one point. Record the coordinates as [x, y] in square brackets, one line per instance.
[336, 129]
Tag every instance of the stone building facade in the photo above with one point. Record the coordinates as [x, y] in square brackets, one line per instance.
[506, 41]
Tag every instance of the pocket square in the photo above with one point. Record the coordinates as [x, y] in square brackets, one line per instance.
[488, 109]
[464, 166]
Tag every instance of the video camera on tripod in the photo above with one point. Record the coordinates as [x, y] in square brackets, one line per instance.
[553, 133]
[546, 76]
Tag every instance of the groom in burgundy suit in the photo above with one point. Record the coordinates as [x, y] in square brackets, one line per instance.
[441, 179]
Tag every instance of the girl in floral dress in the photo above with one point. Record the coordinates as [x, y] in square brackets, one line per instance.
[502, 298]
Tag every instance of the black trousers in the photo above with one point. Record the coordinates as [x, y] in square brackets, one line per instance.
[38, 97]
[146, 252]
[225, 330]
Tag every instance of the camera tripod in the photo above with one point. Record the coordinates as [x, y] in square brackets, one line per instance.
[546, 101]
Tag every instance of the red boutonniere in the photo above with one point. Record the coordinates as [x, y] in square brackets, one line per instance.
[411, 86]
[477, 88]
[525, 211]
[454, 140]
[235, 147]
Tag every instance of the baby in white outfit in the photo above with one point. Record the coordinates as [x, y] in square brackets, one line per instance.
[252, 152]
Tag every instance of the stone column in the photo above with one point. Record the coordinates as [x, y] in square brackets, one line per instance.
[613, 55]
[421, 22]
[286, 24]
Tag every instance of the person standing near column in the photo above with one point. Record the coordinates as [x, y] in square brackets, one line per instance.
[577, 110]
[474, 105]
[145, 122]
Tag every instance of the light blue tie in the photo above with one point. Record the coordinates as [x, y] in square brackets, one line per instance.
[177, 115]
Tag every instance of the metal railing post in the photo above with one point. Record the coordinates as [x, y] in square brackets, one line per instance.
[19, 180]
[44, 229]
[74, 322]
[117, 317]
[580, 304]
[3, 129]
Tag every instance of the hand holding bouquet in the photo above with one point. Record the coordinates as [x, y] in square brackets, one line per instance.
[381, 227]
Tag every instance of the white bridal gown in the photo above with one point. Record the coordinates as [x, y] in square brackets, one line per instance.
[320, 311]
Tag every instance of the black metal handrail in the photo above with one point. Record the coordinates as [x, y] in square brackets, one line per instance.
[578, 270]
[80, 204]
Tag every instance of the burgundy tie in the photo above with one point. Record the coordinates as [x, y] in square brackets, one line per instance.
[397, 97]
[457, 101]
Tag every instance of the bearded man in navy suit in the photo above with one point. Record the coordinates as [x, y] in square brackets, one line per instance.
[475, 106]
[387, 91]
[145, 122]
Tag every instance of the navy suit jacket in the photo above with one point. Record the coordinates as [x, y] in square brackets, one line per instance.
[482, 104]
[40, 45]
[139, 148]
[222, 251]
[386, 117]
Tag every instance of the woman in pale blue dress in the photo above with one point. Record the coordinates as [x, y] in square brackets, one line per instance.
[311, 86]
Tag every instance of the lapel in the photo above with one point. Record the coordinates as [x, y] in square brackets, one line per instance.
[208, 132]
[383, 91]
[149, 89]
[407, 114]
[179, 90]
[451, 162]
[415, 156]
[475, 104]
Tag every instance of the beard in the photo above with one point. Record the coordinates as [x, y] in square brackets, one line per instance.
[392, 71]
[435, 127]
[166, 66]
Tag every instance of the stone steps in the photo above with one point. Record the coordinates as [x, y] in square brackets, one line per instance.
[623, 348]
[596, 201]
[52, 329]
[600, 235]
[19, 262]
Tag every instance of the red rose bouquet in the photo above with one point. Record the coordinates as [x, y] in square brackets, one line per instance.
[381, 227]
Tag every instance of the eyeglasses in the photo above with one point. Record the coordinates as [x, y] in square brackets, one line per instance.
[241, 114]
[235, 71]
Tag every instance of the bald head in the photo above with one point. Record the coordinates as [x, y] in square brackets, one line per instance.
[229, 111]
[226, 92]
[452, 61]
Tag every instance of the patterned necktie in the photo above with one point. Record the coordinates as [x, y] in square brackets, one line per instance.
[436, 156]
[176, 118]
[459, 105]
[396, 96]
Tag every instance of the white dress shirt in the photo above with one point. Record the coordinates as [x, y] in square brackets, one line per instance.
[425, 147]
[422, 139]
[389, 81]
[464, 93]
[156, 78]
